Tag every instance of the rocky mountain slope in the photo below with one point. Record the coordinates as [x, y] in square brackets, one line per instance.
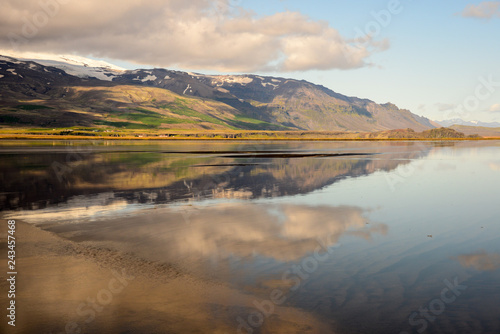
[70, 92]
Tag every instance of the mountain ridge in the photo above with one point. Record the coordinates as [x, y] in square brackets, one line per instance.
[458, 121]
[208, 101]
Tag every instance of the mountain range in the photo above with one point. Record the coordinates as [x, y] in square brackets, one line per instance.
[69, 91]
[458, 121]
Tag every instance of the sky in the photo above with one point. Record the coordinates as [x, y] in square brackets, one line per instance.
[439, 59]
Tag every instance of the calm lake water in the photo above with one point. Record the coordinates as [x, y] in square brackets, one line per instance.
[372, 237]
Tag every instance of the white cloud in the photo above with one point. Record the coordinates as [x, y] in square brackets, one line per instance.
[198, 34]
[445, 106]
[483, 10]
[422, 107]
[495, 108]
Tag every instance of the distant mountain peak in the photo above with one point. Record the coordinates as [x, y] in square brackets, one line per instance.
[458, 121]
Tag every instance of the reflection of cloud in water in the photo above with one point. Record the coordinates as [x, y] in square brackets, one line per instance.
[495, 166]
[480, 261]
[281, 232]
[446, 167]
[285, 232]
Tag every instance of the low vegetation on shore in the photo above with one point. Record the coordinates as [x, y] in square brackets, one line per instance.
[102, 133]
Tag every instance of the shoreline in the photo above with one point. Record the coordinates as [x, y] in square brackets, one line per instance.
[82, 287]
[85, 133]
[189, 138]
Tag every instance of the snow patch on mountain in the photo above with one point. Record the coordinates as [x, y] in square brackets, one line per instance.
[222, 90]
[265, 84]
[82, 71]
[231, 79]
[68, 59]
[73, 65]
[187, 88]
[149, 77]
[10, 60]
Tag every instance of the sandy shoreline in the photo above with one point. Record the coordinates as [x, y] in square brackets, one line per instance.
[207, 139]
[69, 287]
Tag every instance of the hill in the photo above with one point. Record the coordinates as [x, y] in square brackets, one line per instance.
[69, 94]
[478, 130]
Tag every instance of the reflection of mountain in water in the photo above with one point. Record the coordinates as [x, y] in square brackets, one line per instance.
[39, 180]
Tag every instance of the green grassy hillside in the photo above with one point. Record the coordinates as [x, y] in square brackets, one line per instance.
[125, 107]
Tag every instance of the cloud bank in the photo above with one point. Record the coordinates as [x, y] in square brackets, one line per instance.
[495, 108]
[197, 34]
[445, 106]
[483, 10]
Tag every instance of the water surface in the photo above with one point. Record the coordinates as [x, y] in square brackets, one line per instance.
[369, 237]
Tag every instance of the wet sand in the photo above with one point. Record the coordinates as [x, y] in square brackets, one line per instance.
[81, 287]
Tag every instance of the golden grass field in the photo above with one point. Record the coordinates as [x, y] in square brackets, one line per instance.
[89, 134]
